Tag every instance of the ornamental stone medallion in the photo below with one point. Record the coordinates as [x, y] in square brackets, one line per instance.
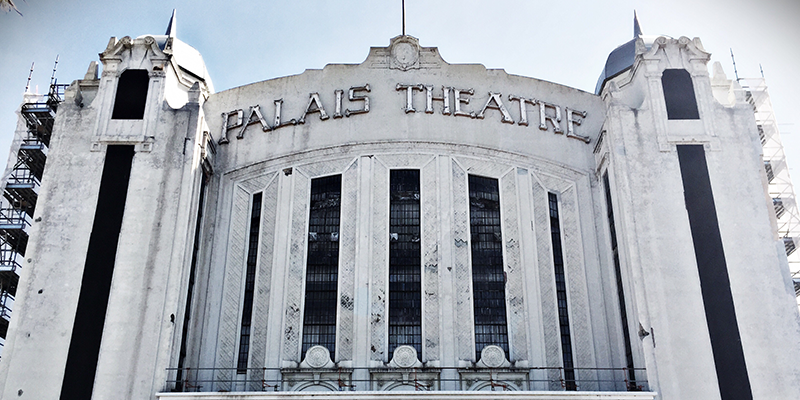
[318, 357]
[404, 53]
[405, 356]
[493, 356]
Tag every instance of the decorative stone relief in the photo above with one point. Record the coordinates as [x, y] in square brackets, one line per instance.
[404, 53]
[379, 287]
[317, 357]
[515, 290]
[578, 297]
[258, 340]
[430, 262]
[295, 276]
[544, 251]
[345, 329]
[493, 357]
[465, 339]
[483, 168]
[405, 357]
[328, 167]
[231, 296]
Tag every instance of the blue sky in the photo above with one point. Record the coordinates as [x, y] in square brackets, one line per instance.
[248, 41]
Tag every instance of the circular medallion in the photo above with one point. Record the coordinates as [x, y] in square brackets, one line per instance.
[317, 357]
[493, 356]
[405, 356]
[405, 53]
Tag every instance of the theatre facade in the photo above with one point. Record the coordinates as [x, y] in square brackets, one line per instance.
[403, 224]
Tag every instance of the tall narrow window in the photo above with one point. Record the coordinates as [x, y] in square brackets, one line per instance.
[561, 294]
[190, 286]
[131, 94]
[679, 94]
[322, 266]
[405, 297]
[488, 276]
[249, 285]
[620, 293]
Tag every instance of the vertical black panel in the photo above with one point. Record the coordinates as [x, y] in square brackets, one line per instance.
[679, 94]
[322, 265]
[249, 285]
[87, 332]
[488, 275]
[723, 329]
[561, 294]
[623, 311]
[131, 94]
[405, 261]
[190, 286]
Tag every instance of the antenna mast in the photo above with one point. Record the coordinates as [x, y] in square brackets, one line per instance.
[404, 17]
[30, 74]
[53, 77]
[735, 72]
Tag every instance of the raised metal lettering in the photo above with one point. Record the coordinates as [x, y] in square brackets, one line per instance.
[543, 117]
[338, 111]
[571, 122]
[445, 99]
[523, 109]
[313, 100]
[255, 111]
[458, 100]
[226, 125]
[497, 98]
[353, 97]
[278, 123]
[409, 95]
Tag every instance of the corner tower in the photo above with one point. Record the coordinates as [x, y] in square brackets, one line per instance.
[108, 256]
[695, 251]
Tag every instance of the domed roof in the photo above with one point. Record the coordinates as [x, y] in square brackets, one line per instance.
[621, 59]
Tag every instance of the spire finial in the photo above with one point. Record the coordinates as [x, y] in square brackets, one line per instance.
[171, 28]
[637, 30]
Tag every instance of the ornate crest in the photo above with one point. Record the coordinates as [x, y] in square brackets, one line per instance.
[404, 53]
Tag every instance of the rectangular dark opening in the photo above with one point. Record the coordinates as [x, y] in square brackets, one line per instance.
[405, 261]
[249, 285]
[488, 274]
[623, 311]
[190, 287]
[679, 94]
[87, 332]
[322, 265]
[715, 286]
[131, 94]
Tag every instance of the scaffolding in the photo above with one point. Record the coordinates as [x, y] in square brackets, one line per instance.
[20, 188]
[780, 183]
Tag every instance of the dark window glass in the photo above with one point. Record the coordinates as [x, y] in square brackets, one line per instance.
[561, 294]
[190, 287]
[322, 266]
[249, 285]
[679, 94]
[488, 276]
[131, 94]
[620, 293]
[405, 296]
